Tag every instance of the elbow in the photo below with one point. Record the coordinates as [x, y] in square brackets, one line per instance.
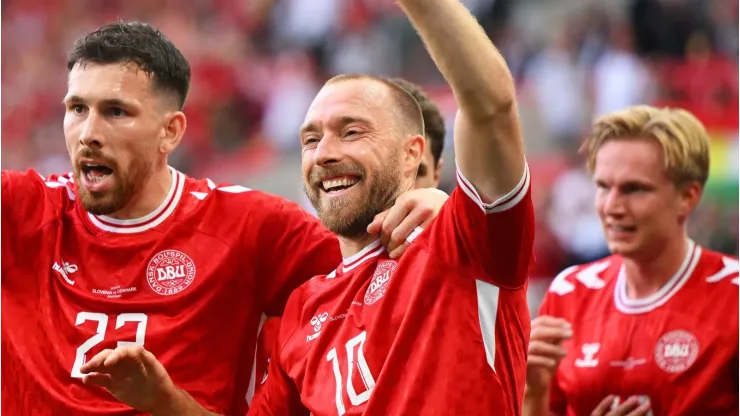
[489, 102]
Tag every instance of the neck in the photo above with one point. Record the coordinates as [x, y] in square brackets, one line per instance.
[646, 276]
[149, 197]
[352, 246]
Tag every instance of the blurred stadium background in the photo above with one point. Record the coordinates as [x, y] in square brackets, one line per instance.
[258, 63]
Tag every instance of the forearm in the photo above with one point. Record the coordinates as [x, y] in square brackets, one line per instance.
[180, 403]
[475, 70]
[535, 403]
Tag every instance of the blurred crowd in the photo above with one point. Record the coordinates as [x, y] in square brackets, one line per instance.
[258, 63]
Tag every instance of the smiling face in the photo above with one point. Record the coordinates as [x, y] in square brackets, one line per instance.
[358, 155]
[111, 126]
[640, 207]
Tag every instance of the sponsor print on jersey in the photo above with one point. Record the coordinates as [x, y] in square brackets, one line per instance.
[379, 282]
[170, 272]
[675, 351]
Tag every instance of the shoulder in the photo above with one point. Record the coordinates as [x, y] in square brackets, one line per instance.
[581, 284]
[301, 304]
[585, 278]
[718, 271]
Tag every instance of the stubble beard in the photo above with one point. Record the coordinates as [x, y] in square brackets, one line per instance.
[349, 216]
[126, 184]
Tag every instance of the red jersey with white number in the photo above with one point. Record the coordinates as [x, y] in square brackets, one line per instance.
[189, 282]
[677, 348]
[443, 330]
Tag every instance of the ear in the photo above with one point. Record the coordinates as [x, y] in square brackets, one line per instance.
[413, 151]
[690, 197]
[172, 132]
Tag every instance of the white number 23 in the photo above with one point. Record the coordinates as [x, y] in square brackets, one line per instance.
[102, 320]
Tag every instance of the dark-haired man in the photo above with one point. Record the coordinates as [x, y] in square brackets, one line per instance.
[126, 250]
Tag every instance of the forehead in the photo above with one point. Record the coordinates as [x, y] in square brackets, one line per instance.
[351, 98]
[94, 82]
[626, 160]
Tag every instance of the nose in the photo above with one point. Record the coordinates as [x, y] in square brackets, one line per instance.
[327, 151]
[90, 136]
[612, 202]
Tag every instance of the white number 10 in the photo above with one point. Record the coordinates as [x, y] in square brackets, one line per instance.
[367, 377]
[102, 320]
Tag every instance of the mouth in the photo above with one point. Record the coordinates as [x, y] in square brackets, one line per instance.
[338, 185]
[95, 172]
[621, 230]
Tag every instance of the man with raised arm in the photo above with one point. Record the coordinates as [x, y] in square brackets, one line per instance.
[443, 329]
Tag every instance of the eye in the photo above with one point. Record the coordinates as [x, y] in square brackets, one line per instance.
[351, 132]
[309, 140]
[118, 112]
[77, 108]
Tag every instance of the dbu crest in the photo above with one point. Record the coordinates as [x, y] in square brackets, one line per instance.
[379, 282]
[170, 272]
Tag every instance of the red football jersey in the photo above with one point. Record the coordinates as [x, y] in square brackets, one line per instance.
[443, 330]
[189, 282]
[266, 341]
[677, 348]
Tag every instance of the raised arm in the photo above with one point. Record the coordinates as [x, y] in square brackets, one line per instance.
[488, 142]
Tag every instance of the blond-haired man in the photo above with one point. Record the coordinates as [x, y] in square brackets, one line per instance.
[653, 328]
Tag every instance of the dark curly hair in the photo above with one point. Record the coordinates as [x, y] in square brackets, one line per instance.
[139, 44]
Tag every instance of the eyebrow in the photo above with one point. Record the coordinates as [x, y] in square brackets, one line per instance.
[343, 121]
[109, 102]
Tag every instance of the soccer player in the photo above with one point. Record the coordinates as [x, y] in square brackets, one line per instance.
[653, 328]
[441, 330]
[427, 177]
[128, 251]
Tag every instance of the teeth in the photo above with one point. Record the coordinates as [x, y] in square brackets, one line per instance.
[96, 178]
[335, 183]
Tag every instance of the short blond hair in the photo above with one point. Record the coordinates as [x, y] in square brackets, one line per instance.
[681, 135]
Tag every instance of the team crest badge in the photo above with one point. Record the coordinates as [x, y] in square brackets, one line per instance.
[380, 280]
[170, 272]
[676, 351]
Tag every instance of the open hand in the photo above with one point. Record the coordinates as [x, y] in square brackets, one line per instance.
[415, 208]
[132, 375]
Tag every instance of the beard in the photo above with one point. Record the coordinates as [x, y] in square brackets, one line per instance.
[349, 215]
[125, 184]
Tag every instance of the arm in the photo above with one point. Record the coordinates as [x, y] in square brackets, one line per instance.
[488, 141]
[293, 247]
[26, 206]
[489, 218]
[297, 247]
[542, 393]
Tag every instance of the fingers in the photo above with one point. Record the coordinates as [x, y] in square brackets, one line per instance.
[122, 359]
[604, 405]
[96, 363]
[375, 226]
[642, 410]
[546, 320]
[610, 406]
[547, 350]
[98, 380]
[550, 329]
[389, 233]
[552, 335]
[418, 217]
